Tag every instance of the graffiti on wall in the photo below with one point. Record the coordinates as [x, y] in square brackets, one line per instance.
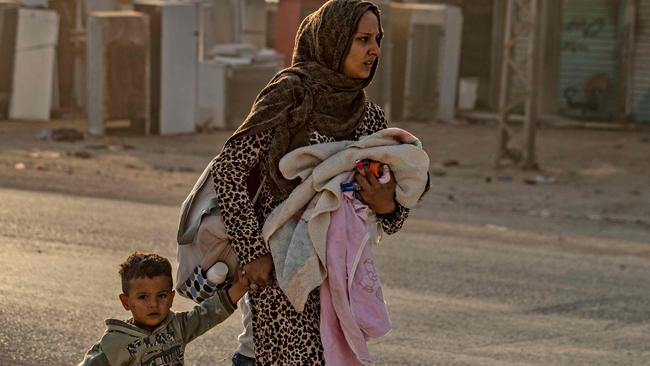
[595, 95]
[588, 28]
[585, 95]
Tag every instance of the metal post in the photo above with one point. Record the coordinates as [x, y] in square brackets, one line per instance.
[518, 89]
[504, 90]
[532, 100]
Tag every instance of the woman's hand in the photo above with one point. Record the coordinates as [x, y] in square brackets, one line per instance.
[239, 287]
[259, 271]
[379, 197]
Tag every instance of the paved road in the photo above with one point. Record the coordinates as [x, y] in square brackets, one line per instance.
[459, 295]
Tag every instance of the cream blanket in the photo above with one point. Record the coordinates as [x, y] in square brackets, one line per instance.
[296, 230]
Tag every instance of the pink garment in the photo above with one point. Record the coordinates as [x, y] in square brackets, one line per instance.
[352, 304]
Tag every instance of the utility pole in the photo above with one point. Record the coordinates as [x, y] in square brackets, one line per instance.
[519, 86]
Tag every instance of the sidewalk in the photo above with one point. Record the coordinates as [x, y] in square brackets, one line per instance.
[598, 184]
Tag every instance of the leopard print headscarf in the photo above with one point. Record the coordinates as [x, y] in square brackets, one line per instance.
[312, 94]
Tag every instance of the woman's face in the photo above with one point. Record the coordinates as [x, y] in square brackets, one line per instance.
[364, 49]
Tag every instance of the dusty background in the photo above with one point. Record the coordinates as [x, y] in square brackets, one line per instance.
[488, 271]
[601, 178]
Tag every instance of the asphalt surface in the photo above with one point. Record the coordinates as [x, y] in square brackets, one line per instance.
[458, 294]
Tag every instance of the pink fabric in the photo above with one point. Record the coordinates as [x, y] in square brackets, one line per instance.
[352, 304]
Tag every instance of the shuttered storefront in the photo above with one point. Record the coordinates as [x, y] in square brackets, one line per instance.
[640, 99]
[589, 59]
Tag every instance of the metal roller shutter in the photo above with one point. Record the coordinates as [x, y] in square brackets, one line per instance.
[640, 100]
[589, 59]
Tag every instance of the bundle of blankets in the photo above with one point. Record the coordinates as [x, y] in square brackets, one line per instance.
[321, 236]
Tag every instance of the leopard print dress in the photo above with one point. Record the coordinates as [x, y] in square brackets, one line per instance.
[282, 335]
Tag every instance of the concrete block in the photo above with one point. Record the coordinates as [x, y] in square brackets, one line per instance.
[33, 75]
[34, 3]
[174, 30]
[118, 71]
[8, 27]
[228, 88]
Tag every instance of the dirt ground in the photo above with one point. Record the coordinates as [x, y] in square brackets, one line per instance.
[599, 179]
[489, 270]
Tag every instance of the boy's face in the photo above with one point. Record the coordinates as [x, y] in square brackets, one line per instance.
[149, 300]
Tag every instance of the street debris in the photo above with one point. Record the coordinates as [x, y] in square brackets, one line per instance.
[601, 171]
[19, 166]
[451, 162]
[82, 154]
[110, 147]
[496, 227]
[544, 213]
[437, 170]
[540, 179]
[45, 154]
[594, 217]
[501, 178]
[97, 147]
[60, 134]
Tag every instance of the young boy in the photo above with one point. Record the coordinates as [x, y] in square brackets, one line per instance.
[155, 335]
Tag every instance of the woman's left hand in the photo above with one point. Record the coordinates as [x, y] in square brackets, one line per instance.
[379, 197]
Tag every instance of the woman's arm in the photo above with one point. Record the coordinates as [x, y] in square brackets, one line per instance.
[234, 164]
[230, 172]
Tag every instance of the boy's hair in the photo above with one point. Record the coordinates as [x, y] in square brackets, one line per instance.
[139, 265]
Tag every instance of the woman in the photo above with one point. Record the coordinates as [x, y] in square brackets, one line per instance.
[320, 98]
